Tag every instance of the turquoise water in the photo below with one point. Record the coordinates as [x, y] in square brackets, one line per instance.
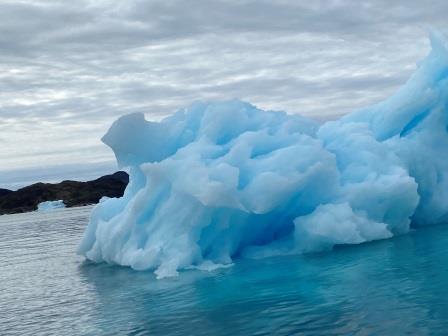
[393, 287]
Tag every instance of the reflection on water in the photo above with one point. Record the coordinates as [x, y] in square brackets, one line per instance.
[388, 287]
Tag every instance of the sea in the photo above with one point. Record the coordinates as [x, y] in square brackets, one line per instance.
[394, 287]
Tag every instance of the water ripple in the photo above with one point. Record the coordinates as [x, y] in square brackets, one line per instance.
[382, 288]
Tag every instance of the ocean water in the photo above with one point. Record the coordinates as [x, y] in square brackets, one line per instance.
[392, 287]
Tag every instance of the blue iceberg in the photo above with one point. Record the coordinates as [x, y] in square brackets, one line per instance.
[50, 206]
[222, 180]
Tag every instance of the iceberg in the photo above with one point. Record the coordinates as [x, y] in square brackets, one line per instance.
[218, 181]
[50, 206]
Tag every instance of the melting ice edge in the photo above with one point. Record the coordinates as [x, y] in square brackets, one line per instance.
[222, 180]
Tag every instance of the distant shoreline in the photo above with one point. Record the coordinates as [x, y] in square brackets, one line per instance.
[73, 193]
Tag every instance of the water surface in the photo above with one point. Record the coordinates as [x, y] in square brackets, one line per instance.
[393, 287]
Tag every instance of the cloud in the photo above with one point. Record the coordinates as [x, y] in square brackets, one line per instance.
[69, 68]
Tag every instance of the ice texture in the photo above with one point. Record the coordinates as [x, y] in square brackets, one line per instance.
[222, 180]
[50, 205]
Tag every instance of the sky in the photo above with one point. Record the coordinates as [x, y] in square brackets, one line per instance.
[68, 69]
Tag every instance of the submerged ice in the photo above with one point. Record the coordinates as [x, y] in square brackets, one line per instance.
[218, 181]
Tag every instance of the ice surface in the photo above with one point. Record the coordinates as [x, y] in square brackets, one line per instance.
[222, 180]
[50, 205]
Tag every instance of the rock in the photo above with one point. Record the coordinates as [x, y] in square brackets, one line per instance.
[74, 193]
[4, 192]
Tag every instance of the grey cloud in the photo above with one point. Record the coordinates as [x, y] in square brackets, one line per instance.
[81, 172]
[69, 68]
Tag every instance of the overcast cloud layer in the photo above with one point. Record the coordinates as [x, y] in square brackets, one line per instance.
[68, 69]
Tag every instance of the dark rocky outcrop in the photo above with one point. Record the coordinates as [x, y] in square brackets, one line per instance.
[73, 193]
[4, 192]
